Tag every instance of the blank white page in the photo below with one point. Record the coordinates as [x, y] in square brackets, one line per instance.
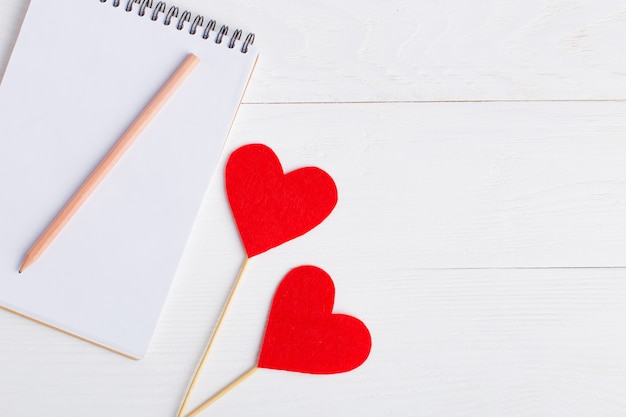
[80, 73]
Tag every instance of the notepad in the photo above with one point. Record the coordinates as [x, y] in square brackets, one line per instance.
[79, 74]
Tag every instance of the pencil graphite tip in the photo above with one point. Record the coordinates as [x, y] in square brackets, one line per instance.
[27, 262]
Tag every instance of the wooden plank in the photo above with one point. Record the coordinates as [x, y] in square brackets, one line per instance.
[454, 343]
[445, 185]
[327, 51]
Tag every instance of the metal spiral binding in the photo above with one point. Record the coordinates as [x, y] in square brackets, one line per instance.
[186, 17]
[194, 25]
[142, 7]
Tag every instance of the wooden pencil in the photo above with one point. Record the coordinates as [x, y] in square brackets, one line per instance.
[116, 152]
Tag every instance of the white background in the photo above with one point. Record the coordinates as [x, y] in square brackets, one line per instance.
[478, 148]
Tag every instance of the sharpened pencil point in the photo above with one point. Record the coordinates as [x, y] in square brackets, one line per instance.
[26, 263]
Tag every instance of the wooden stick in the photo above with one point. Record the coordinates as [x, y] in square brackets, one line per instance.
[212, 339]
[103, 168]
[223, 392]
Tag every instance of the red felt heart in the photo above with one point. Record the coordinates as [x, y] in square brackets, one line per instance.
[270, 207]
[302, 334]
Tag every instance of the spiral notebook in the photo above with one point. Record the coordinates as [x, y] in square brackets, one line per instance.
[79, 74]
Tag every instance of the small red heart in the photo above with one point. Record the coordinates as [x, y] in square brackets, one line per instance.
[302, 334]
[270, 207]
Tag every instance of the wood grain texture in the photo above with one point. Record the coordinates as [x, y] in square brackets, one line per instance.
[491, 184]
[456, 343]
[424, 189]
[329, 51]
[459, 184]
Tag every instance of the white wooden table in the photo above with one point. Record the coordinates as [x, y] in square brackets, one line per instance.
[479, 149]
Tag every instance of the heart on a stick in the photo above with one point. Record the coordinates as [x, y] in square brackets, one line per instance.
[303, 334]
[271, 207]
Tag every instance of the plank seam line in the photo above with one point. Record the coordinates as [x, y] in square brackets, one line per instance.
[508, 268]
[432, 101]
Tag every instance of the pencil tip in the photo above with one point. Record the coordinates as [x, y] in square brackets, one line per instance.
[25, 264]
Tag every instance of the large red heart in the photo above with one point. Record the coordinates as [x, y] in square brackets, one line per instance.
[271, 207]
[302, 334]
